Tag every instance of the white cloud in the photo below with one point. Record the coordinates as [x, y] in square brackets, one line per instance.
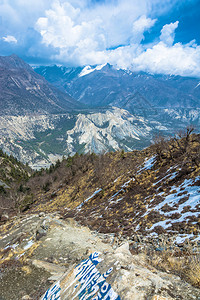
[113, 33]
[168, 33]
[9, 39]
[177, 59]
[82, 32]
[85, 34]
[140, 26]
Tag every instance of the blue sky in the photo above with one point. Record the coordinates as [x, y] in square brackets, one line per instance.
[157, 36]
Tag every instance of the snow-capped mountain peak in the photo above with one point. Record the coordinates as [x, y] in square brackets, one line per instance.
[197, 85]
[88, 69]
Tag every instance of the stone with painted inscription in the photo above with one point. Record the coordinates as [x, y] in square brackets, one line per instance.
[85, 282]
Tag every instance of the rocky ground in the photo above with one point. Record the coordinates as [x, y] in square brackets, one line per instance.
[39, 249]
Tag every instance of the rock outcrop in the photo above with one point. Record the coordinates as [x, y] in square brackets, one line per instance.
[29, 267]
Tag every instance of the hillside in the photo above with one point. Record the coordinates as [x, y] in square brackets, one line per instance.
[155, 190]
[12, 175]
[25, 92]
[140, 209]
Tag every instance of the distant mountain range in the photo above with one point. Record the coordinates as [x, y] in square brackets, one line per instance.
[167, 103]
[88, 109]
[105, 85]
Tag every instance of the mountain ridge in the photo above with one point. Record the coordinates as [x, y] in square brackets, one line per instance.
[24, 91]
[161, 90]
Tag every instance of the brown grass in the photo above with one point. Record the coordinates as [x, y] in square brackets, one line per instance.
[183, 262]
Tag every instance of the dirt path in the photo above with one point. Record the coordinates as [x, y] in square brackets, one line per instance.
[38, 251]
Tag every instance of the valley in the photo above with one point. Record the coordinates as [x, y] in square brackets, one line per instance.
[91, 109]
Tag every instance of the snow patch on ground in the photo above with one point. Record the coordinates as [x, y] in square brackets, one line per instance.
[11, 246]
[168, 177]
[193, 192]
[29, 244]
[127, 183]
[148, 164]
[96, 192]
[186, 190]
[182, 237]
[117, 179]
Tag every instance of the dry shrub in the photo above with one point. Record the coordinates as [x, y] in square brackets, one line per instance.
[192, 271]
[184, 263]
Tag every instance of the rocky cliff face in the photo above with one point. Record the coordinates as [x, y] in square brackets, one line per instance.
[42, 139]
[17, 132]
[112, 129]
